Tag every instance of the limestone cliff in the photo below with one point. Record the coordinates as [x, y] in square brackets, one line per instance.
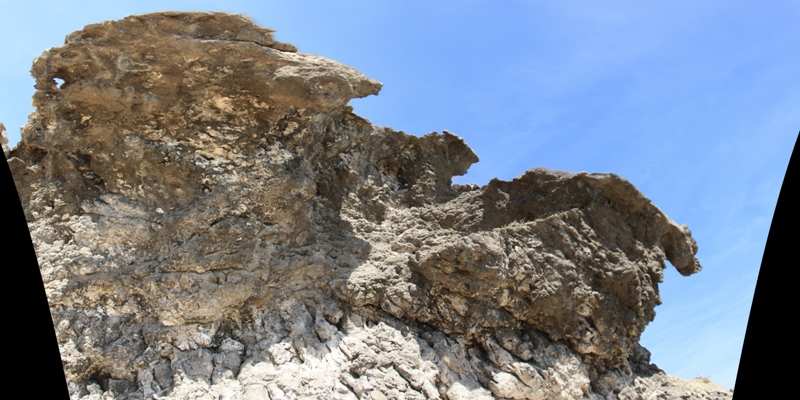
[212, 221]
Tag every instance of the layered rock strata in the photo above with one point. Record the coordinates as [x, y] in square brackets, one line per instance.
[212, 221]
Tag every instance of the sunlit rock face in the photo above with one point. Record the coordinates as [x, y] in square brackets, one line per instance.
[4, 140]
[212, 221]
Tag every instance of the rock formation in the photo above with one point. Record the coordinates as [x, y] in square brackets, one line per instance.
[212, 221]
[4, 140]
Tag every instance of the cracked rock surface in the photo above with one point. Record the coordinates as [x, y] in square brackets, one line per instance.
[212, 221]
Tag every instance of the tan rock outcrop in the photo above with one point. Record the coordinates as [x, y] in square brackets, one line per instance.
[212, 221]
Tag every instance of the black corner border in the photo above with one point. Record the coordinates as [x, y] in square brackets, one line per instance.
[767, 355]
[29, 331]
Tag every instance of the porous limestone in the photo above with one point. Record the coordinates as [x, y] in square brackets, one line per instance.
[212, 221]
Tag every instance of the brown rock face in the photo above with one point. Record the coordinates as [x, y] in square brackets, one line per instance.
[213, 221]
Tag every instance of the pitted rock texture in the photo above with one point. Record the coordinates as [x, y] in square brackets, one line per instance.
[212, 221]
[4, 140]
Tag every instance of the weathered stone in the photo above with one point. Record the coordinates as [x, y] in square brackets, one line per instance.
[213, 221]
[4, 139]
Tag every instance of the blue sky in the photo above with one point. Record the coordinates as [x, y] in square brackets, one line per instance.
[695, 103]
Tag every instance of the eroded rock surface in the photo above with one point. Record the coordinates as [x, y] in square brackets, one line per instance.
[4, 140]
[213, 222]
